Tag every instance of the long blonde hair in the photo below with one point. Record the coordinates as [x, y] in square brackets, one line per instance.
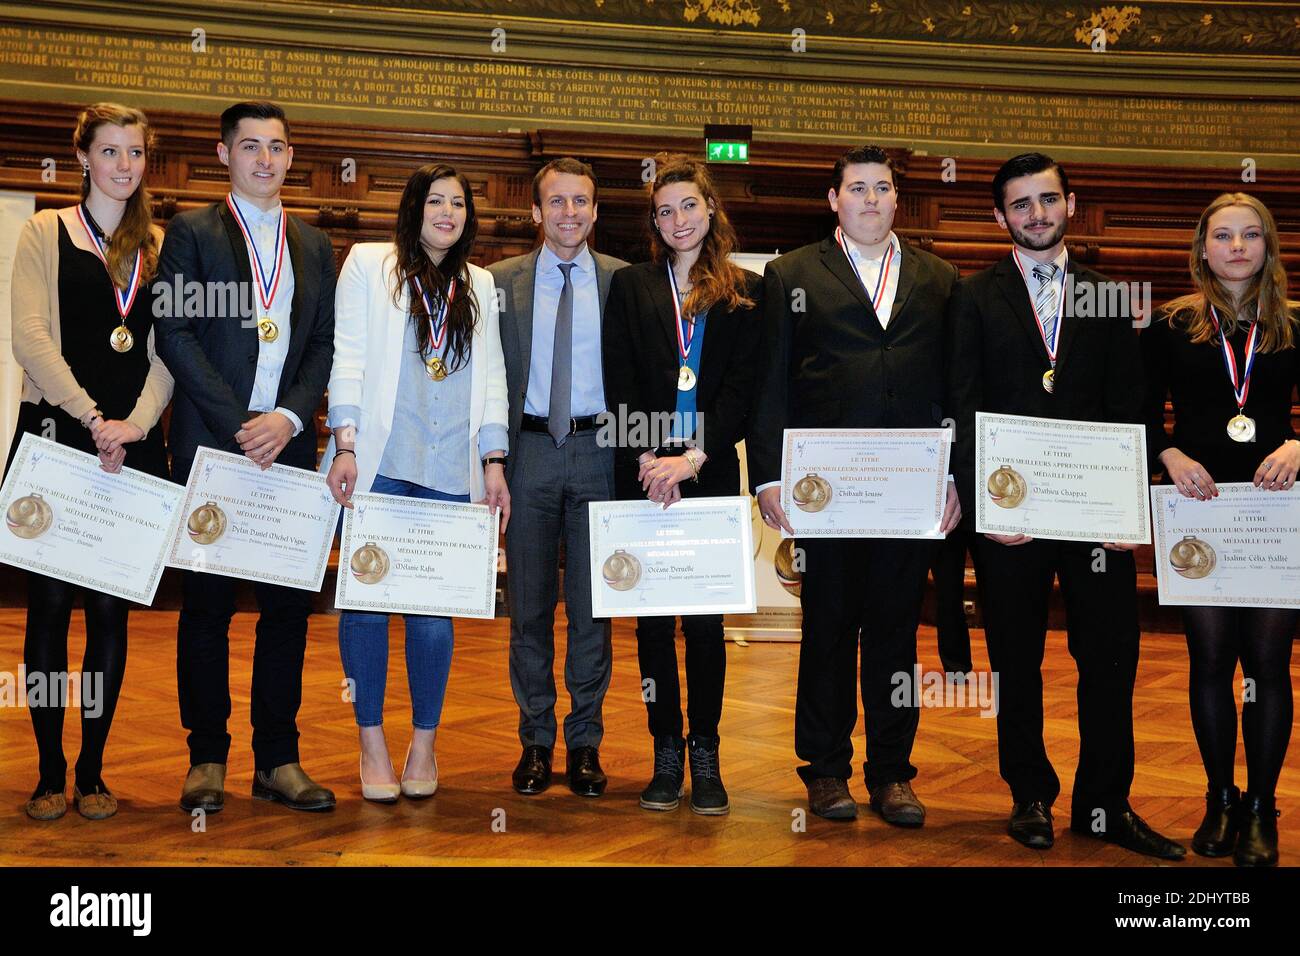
[1267, 288]
[134, 231]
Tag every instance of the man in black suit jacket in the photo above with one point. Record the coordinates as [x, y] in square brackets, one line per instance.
[1019, 348]
[854, 332]
[247, 384]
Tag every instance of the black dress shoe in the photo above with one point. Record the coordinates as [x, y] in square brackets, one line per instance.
[1130, 831]
[586, 779]
[533, 774]
[1031, 825]
[1257, 836]
[1217, 834]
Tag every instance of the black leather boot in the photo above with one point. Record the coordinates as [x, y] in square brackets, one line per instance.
[1257, 836]
[1217, 834]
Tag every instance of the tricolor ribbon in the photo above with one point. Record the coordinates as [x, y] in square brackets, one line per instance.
[124, 298]
[685, 324]
[1033, 305]
[879, 294]
[267, 285]
[1230, 360]
[437, 323]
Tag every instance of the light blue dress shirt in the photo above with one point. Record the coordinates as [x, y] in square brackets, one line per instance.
[588, 384]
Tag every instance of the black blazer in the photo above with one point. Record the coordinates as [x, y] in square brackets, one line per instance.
[214, 358]
[642, 361]
[827, 361]
[998, 360]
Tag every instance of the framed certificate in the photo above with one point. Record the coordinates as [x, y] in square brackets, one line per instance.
[694, 557]
[67, 518]
[415, 556]
[865, 482]
[1241, 549]
[1061, 479]
[239, 521]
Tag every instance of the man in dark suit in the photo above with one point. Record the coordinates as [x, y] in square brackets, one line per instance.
[552, 300]
[1020, 348]
[247, 384]
[854, 330]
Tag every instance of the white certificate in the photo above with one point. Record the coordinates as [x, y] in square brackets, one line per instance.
[69, 519]
[1061, 479]
[865, 482]
[274, 526]
[416, 556]
[1241, 549]
[694, 557]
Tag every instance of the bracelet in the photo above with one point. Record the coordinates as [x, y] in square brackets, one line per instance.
[344, 451]
[494, 461]
[690, 460]
[96, 415]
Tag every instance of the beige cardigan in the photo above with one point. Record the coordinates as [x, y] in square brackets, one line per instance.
[35, 317]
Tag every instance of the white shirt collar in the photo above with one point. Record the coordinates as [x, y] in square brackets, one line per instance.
[856, 251]
[252, 214]
[548, 262]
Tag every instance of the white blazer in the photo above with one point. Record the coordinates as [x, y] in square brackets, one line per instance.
[369, 332]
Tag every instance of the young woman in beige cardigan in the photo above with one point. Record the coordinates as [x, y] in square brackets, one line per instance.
[83, 334]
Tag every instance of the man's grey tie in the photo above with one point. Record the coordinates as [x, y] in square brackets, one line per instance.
[559, 413]
[1045, 301]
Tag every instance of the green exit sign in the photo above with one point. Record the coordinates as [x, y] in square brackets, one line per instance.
[723, 151]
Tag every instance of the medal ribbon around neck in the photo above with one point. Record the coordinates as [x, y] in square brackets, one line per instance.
[124, 298]
[685, 324]
[267, 285]
[437, 323]
[879, 294]
[1230, 360]
[1060, 305]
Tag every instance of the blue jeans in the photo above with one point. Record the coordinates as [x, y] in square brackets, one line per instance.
[363, 644]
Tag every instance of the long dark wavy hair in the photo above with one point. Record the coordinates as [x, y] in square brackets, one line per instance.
[413, 262]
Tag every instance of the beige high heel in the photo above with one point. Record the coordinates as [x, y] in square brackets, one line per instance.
[377, 792]
[419, 789]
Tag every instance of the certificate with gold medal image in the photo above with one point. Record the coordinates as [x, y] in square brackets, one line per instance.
[415, 556]
[67, 518]
[1061, 479]
[1241, 549]
[865, 482]
[239, 521]
[694, 557]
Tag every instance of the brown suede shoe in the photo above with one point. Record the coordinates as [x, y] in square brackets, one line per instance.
[98, 805]
[204, 788]
[290, 785]
[829, 797]
[898, 804]
[48, 806]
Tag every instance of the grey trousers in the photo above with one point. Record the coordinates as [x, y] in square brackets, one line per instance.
[549, 491]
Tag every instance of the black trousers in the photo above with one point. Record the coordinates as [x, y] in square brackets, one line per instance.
[949, 571]
[1099, 588]
[865, 591]
[706, 672]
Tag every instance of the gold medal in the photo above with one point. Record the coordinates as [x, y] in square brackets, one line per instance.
[1241, 428]
[1006, 487]
[267, 330]
[121, 339]
[1049, 381]
[621, 570]
[685, 379]
[811, 493]
[437, 368]
[1192, 558]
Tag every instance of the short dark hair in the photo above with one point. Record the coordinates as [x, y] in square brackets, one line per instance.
[862, 154]
[252, 110]
[1026, 164]
[565, 164]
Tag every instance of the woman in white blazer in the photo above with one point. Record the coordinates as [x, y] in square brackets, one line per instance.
[418, 406]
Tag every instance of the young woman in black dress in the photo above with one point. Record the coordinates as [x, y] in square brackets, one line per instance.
[83, 334]
[1228, 355]
[680, 337]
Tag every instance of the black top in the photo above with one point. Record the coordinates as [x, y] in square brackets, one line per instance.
[87, 317]
[1196, 378]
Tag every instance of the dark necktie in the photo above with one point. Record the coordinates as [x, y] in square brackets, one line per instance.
[560, 411]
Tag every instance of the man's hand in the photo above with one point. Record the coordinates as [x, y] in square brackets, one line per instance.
[263, 438]
[769, 506]
[951, 510]
[498, 495]
[1009, 539]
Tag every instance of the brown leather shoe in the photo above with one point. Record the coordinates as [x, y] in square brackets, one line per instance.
[47, 806]
[290, 785]
[829, 797]
[897, 804]
[97, 805]
[204, 788]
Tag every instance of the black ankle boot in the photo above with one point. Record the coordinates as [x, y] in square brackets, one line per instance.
[1257, 837]
[1217, 834]
[669, 781]
[708, 796]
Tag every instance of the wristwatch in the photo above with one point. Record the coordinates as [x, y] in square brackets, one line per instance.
[494, 461]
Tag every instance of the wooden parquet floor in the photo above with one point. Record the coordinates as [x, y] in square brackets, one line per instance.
[956, 753]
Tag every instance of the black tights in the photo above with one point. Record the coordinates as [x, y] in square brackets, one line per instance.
[45, 653]
[1217, 637]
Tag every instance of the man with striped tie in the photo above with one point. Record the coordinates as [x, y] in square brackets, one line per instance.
[1018, 347]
